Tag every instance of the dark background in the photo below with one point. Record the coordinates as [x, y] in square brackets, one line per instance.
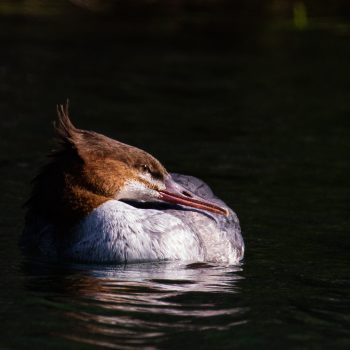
[251, 96]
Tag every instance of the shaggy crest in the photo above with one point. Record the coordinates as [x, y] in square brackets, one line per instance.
[66, 132]
[87, 170]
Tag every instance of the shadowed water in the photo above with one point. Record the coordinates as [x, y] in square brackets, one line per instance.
[257, 106]
[123, 307]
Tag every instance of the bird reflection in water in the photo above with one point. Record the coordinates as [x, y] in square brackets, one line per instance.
[137, 305]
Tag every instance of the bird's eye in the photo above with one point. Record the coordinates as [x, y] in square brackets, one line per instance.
[145, 168]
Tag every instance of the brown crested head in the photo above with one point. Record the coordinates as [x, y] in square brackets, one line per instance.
[87, 170]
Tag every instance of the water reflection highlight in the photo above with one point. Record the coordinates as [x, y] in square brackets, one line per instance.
[124, 307]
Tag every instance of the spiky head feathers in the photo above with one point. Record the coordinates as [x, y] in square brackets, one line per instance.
[87, 170]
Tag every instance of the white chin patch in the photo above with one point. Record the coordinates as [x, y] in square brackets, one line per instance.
[138, 191]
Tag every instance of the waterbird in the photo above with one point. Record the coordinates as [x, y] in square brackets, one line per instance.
[102, 201]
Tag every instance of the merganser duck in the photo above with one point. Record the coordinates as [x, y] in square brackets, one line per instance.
[102, 201]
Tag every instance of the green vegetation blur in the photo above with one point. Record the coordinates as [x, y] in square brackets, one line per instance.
[179, 15]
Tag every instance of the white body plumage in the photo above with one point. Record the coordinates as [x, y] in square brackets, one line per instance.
[119, 232]
[100, 200]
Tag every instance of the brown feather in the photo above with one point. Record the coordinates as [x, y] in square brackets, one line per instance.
[87, 170]
[66, 132]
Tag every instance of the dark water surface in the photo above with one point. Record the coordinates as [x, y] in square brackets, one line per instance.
[260, 110]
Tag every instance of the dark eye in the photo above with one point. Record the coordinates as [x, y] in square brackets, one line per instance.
[154, 173]
[145, 168]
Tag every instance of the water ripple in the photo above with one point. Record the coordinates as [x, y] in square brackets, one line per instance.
[124, 307]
